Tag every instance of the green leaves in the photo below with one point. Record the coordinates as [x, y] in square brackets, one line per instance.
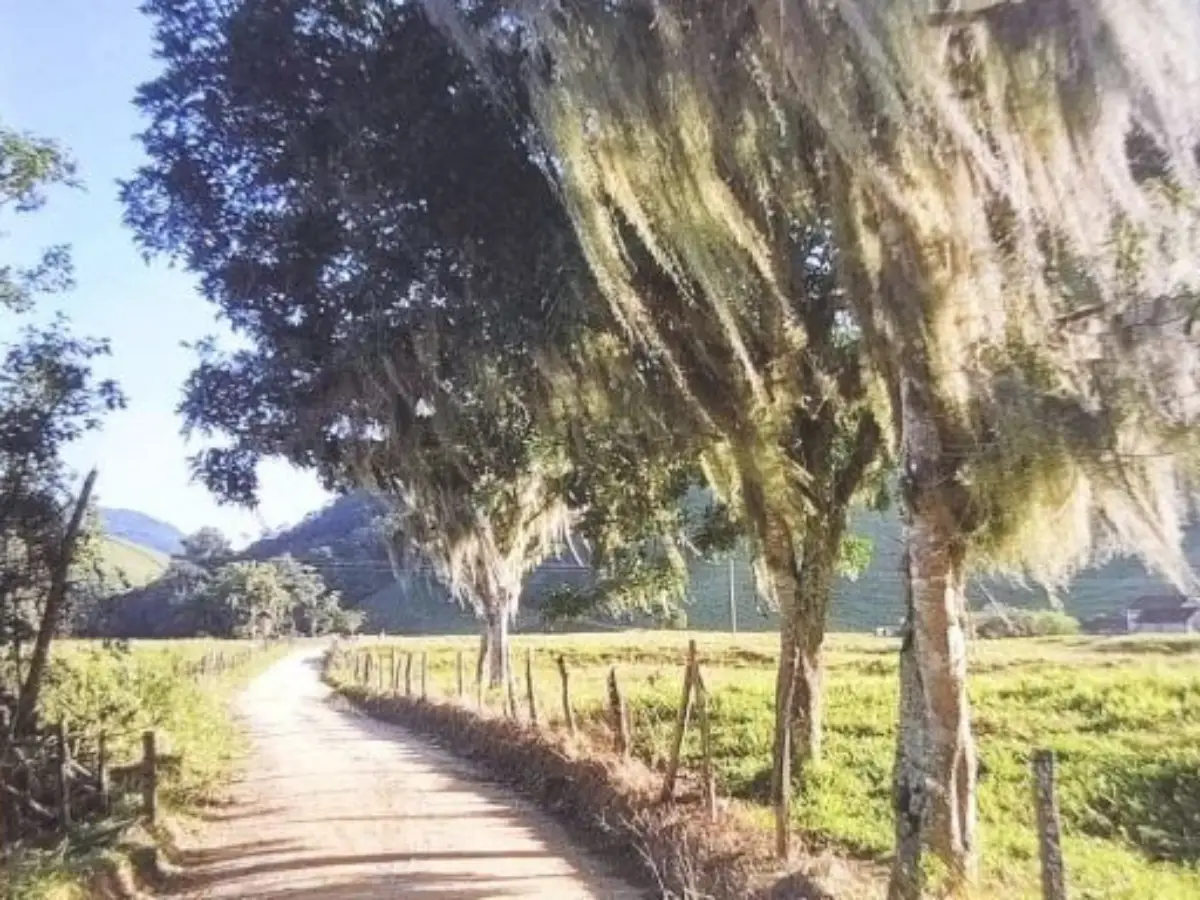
[29, 165]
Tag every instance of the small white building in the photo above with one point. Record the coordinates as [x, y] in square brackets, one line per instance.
[1163, 614]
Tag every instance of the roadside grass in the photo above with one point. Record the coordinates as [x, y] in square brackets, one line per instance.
[124, 693]
[1121, 713]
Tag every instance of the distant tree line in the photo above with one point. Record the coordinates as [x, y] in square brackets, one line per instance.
[208, 592]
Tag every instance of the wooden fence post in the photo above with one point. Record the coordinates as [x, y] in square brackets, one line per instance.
[530, 694]
[1054, 876]
[407, 674]
[710, 784]
[459, 664]
[681, 724]
[149, 777]
[62, 766]
[510, 691]
[619, 714]
[424, 674]
[395, 671]
[368, 670]
[102, 773]
[568, 710]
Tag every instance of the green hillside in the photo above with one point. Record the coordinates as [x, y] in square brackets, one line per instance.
[873, 600]
[124, 560]
[344, 541]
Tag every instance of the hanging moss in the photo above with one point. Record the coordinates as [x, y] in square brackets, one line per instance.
[1013, 190]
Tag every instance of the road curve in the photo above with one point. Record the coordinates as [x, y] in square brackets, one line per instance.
[334, 805]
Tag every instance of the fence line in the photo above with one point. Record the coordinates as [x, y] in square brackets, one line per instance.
[694, 704]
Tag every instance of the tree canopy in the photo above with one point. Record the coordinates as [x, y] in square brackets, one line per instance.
[1010, 188]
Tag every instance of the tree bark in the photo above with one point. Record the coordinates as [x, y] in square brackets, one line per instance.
[818, 570]
[496, 649]
[908, 778]
[56, 601]
[939, 791]
[940, 642]
[779, 563]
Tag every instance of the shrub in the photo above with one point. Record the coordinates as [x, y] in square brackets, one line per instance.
[1022, 623]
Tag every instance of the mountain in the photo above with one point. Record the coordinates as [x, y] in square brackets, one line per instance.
[874, 599]
[345, 541]
[138, 528]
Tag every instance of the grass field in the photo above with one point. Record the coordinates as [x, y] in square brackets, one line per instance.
[133, 564]
[1123, 715]
[125, 692]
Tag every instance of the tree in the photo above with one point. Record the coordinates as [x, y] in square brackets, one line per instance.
[407, 308]
[163, 608]
[48, 399]
[314, 608]
[208, 547]
[745, 312]
[242, 600]
[29, 165]
[1009, 187]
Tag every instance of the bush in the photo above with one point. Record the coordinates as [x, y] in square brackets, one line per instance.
[1022, 623]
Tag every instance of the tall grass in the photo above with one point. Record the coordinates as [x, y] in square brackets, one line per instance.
[124, 691]
[1123, 715]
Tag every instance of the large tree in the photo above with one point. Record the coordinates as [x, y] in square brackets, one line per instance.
[382, 236]
[744, 311]
[1011, 188]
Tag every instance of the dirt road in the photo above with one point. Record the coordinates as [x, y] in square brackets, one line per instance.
[334, 805]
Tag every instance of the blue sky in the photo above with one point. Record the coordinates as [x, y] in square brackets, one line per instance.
[68, 70]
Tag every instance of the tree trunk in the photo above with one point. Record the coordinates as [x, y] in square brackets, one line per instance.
[939, 638]
[56, 601]
[908, 779]
[934, 667]
[779, 565]
[497, 649]
[818, 570]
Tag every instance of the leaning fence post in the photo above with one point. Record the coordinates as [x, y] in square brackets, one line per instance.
[681, 724]
[530, 694]
[62, 766]
[1054, 876]
[424, 674]
[710, 785]
[102, 772]
[149, 777]
[460, 671]
[619, 713]
[407, 674]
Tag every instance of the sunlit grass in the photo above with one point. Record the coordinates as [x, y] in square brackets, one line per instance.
[1119, 712]
[124, 693]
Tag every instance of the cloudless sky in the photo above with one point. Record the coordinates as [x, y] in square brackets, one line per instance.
[68, 71]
